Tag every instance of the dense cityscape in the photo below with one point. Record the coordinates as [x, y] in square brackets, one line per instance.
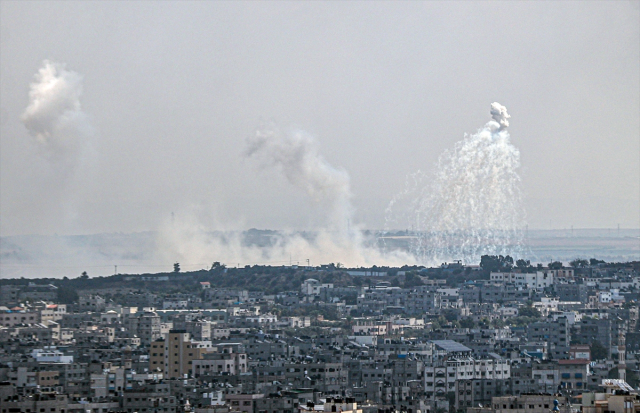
[319, 206]
[502, 336]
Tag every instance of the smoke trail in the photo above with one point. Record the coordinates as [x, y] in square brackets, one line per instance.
[296, 153]
[472, 205]
[54, 116]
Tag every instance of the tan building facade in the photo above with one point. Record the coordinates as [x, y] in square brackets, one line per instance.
[174, 355]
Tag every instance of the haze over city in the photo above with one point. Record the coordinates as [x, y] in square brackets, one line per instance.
[315, 207]
[129, 118]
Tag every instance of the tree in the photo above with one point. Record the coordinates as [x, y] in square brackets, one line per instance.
[489, 263]
[215, 266]
[84, 275]
[67, 295]
[598, 351]
[507, 262]
[594, 262]
[521, 321]
[494, 263]
[579, 263]
[523, 264]
[450, 316]
[555, 265]
[412, 280]
[467, 322]
[176, 267]
[529, 312]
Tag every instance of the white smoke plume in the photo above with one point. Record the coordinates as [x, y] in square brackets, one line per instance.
[188, 241]
[500, 115]
[472, 204]
[54, 116]
[296, 154]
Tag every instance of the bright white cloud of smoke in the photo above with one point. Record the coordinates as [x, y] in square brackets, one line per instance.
[297, 156]
[500, 115]
[472, 204]
[54, 116]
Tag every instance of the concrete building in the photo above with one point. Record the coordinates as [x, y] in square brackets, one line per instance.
[312, 286]
[150, 397]
[174, 355]
[441, 377]
[527, 403]
[228, 358]
[556, 334]
[574, 374]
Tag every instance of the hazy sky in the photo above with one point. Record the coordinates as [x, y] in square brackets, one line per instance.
[172, 91]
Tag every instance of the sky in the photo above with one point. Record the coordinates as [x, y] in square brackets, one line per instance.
[164, 96]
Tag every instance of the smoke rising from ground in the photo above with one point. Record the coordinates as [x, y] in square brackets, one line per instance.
[297, 156]
[54, 116]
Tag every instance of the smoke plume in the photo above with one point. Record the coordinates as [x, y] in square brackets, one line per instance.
[500, 115]
[471, 205]
[296, 154]
[54, 116]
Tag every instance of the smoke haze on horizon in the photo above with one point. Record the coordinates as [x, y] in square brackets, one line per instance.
[174, 89]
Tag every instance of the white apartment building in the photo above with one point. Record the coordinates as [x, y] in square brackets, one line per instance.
[53, 312]
[571, 316]
[538, 280]
[263, 319]
[50, 355]
[370, 327]
[604, 296]
[505, 277]
[312, 286]
[547, 305]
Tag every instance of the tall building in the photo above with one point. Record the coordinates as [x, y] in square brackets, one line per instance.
[174, 355]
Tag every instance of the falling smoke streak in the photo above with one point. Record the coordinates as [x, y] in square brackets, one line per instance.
[472, 205]
[54, 116]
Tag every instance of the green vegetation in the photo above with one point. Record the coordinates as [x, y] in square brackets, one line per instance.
[579, 263]
[522, 321]
[496, 263]
[555, 265]
[529, 311]
[598, 351]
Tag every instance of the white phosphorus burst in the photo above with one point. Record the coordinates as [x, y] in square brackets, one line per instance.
[54, 116]
[472, 204]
